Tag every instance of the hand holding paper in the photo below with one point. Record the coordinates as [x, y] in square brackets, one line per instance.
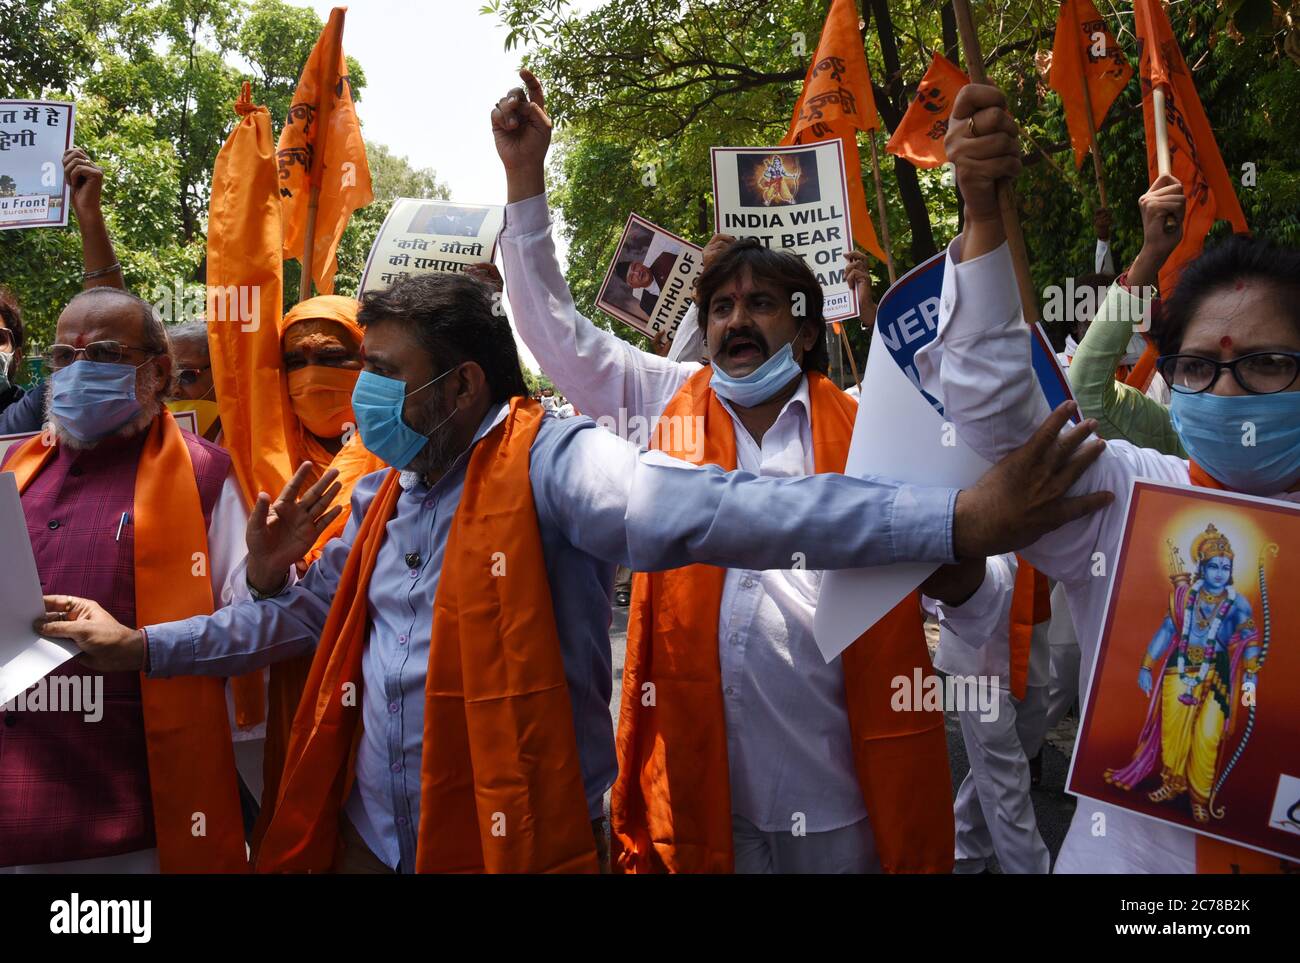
[106, 644]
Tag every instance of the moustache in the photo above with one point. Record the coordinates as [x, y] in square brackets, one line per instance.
[749, 334]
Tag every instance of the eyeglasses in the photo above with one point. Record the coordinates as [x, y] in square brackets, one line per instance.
[1261, 373]
[187, 376]
[105, 352]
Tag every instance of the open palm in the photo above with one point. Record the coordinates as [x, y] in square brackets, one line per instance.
[281, 532]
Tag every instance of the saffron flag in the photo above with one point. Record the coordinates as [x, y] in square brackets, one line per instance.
[918, 138]
[1193, 155]
[1086, 52]
[322, 152]
[837, 101]
[245, 280]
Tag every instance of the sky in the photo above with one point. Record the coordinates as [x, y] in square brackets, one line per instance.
[434, 70]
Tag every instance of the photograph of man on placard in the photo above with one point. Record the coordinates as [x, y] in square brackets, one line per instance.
[448, 220]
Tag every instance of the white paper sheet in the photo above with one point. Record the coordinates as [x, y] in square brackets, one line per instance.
[25, 657]
[898, 435]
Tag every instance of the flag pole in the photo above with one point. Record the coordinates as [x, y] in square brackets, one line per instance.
[884, 217]
[1161, 123]
[309, 244]
[1092, 136]
[853, 364]
[1006, 190]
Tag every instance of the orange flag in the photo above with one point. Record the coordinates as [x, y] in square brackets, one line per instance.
[245, 282]
[1086, 52]
[836, 102]
[1193, 155]
[919, 135]
[322, 152]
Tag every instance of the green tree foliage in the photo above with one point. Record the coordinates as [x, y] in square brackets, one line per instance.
[155, 83]
[640, 89]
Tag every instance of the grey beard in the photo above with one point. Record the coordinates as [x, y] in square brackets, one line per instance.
[150, 386]
[440, 451]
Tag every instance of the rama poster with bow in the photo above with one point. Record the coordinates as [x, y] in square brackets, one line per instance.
[1194, 703]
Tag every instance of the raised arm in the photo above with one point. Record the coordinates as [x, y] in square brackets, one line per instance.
[981, 358]
[600, 373]
[85, 184]
[1123, 411]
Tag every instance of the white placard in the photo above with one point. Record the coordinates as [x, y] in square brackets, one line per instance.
[25, 656]
[792, 199]
[34, 134]
[422, 236]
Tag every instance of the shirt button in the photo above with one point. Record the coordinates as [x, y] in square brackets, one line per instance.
[54, 523]
[393, 707]
[735, 639]
[396, 767]
[401, 820]
[731, 690]
[401, 640]
[748, 582]
[415, 573]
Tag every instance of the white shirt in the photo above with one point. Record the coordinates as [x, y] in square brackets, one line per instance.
[788, 742]
[228, 550]
[980, 361]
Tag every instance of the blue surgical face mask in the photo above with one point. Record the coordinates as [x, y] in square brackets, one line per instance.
[761, 383]
[93, 399]
[377, 402]
[1251, 443]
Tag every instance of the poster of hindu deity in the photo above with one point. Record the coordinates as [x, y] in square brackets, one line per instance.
[1193, 711]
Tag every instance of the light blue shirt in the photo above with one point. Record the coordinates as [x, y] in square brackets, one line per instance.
[597, 497]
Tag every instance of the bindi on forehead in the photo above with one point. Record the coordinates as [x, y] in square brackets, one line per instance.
[1225, 342]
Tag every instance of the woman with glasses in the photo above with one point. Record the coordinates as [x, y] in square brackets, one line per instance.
[1229, 338]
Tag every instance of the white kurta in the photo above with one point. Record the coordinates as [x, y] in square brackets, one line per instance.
[993, 812]
[980, 362]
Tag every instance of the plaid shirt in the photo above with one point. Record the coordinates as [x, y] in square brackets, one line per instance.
[71, 788]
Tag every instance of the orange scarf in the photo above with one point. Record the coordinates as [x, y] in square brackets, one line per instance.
[1216, 855]
[1031, 603]
[187, 730]
[672, 799]
[501, 789]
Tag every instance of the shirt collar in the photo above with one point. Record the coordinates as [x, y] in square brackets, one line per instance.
[497, 414]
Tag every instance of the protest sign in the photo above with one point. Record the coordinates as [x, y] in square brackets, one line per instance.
[34, 134]
[430, 237]
[901, 433]
[792, 199]
[1191, 714]
[650, 283]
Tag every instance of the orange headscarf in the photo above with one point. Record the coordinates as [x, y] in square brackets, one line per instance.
[501, 788]
[672, 800]
[187, 730]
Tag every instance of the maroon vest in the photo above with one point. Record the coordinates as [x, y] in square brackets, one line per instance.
[72, 788]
